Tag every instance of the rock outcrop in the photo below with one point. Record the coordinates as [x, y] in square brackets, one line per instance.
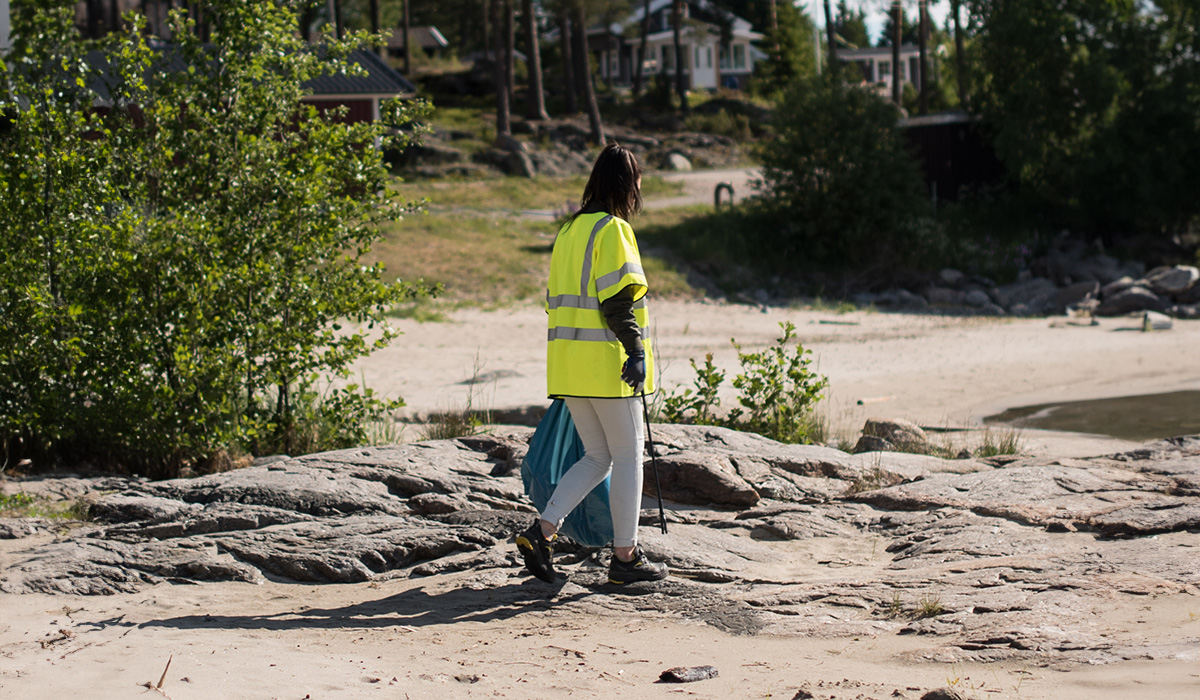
[990, 562]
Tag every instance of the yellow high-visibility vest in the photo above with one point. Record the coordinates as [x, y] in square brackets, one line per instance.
[595, 256]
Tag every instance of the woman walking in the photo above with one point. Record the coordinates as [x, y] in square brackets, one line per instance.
[598, 361]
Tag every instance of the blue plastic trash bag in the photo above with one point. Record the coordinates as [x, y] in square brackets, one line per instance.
[554, 448]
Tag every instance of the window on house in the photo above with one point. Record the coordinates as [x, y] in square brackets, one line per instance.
[708, 57]
[739, 56]
[900, 74]
[698, 64]
[723, 58]
[885, 71]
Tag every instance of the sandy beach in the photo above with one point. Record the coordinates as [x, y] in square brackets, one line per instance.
[457, 636]
[938, 371]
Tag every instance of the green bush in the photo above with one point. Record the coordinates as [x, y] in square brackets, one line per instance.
[179, 262]
[735, 126]
[839, 178]
[777, 393]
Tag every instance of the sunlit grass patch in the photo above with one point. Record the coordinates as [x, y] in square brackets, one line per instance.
[22, 505]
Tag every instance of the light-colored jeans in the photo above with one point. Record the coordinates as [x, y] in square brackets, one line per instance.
[612, 433]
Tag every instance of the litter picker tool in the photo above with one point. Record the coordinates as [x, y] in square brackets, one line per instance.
[662, 516]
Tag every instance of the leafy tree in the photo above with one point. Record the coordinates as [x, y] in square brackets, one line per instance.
[1092, 107]
[908, 28]
[851, 25]
[190, 250]
[840, 178]
[794, 59]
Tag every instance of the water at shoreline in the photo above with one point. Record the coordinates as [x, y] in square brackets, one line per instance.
[1138, 418]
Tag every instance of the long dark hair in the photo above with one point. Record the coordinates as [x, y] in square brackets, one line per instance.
[613, 186]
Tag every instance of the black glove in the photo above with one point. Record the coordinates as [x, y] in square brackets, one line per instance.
[633, 372]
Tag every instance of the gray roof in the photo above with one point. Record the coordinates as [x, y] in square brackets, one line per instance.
[379, 78]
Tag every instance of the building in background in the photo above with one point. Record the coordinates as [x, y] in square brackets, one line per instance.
[875, 65]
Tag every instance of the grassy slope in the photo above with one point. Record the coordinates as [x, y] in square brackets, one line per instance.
[473, 240]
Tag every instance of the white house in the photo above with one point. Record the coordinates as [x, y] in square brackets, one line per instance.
[876, 66]
[706, 63]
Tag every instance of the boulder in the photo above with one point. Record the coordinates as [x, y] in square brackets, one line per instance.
[510, 144]
[1074, 294]
[1033, 296]
[978, 299]
[700, 478]
[1172, 280]
[1117, 286]
[1186, 311]
[1131, 300]
[871, 443]
[943, 296]
[519, 163]
[897, 431]
[677, 162]
[1190, 296]
[907, 300]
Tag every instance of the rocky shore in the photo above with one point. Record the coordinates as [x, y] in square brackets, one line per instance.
[987, 560]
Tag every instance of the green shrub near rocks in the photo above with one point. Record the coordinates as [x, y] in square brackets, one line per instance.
[176, 263]
[839, 178]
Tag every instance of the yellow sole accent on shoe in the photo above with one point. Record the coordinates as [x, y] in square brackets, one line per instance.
[615, 582]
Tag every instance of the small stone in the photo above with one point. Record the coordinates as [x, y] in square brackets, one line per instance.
[684, 674]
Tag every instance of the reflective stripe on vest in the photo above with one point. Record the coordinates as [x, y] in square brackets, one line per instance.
[574, 301]
[586, 275]
[594, 335]
[613, 277]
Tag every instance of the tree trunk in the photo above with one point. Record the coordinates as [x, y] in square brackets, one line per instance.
[641, 57]
[503, 126]
[334, 7]
[533, 64]
[114, 19]
[830, 41]
[584, 60]
[307, 16]
[510, 61]
[487, 29]
[922, 29]
[95, 18]
[566, 38]
[407, 29]
[681, 86]
[897, 36]
[960, 63]
[373, 10]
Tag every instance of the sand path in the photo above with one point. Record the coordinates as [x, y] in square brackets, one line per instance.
[935, 370]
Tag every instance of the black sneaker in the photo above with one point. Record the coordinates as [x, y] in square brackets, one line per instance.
[637, 569]
[537, 551]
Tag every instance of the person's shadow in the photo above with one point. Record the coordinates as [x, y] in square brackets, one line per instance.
[413, 608]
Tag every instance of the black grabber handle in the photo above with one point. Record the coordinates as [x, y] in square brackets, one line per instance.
[662, 516]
